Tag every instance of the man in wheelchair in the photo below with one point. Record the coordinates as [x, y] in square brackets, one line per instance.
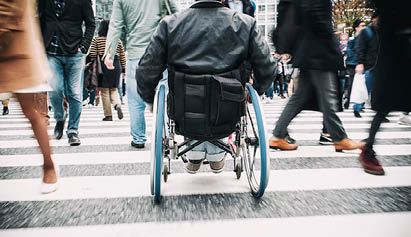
[204, 49]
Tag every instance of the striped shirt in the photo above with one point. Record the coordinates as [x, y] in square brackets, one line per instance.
[98, 45]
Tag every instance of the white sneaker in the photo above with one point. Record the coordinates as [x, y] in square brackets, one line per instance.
[85, 102]
[405, 120]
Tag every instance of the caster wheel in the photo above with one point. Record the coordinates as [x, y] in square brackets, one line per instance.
[165, 173]
[238, 170]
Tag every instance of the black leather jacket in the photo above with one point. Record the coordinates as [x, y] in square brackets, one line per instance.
[206, 38]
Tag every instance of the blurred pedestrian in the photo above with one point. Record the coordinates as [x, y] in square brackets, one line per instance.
[5, 104]
[243, 6]
[140, 19]
[391, 85]
[24, 71]
[367, 51]
[66, 45]
[109, 81]
[351, 60]
[318, 57]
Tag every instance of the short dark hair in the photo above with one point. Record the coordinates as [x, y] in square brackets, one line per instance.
[375, 15]
[356, 23]
[103, 28]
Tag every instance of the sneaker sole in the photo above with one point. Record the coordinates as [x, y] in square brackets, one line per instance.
[406, 124]
[75, 144]
[119, 114]
[281, 149]
[374, 172]
[191, 171]
[325, 143]
[217, 171]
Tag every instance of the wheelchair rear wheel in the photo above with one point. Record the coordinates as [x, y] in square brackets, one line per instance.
[157, 143]
[254, 150]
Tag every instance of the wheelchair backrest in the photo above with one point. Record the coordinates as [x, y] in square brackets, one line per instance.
[205, 106]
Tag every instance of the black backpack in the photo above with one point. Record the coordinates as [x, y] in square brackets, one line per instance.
[288, 31]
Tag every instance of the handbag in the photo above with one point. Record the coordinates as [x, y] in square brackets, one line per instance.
[99, 67]
[359, 92]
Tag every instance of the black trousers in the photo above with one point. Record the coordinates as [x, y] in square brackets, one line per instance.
[324, 85]
[375, 126]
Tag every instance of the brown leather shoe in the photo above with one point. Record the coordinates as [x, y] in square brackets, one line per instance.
[281, 144]
[347, 144]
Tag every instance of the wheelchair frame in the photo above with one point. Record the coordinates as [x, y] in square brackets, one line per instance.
[164, 146]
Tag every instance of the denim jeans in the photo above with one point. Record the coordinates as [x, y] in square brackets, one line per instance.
[358, 106]
[206, 150]
[369, 75]
[120, 88]
[136, 105]
[91, 95]
[270, 92]
[67, 81]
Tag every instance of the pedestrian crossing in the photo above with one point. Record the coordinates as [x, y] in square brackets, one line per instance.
[104, 185]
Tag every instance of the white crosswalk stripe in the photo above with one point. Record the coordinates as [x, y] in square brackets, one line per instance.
[104, 185]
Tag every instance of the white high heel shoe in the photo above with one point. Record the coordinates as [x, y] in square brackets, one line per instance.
[49, 188]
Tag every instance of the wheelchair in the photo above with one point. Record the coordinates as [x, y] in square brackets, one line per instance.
[248, 147]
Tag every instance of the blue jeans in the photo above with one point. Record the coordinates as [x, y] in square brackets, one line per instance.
[270, 92]
[357, 107]
[369, 75]
[92, 95]
[136, 105]
[67, 81]
[120, 88]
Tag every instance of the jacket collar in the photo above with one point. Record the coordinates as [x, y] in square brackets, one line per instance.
[207, 4]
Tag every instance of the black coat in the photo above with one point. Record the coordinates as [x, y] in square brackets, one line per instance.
[68, 25]
[366, 47]
[207, 38]
[318, 48]
[110, 78]
[392, 82]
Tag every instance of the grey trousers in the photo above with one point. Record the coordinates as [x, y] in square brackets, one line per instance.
[324, 85]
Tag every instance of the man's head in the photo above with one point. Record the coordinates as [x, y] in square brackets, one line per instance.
[358, 25]
[374, 18]
[103, 28]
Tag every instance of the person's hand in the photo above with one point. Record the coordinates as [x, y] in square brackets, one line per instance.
[79, 49]
[108, 62]
[359, 69]
[248, 98]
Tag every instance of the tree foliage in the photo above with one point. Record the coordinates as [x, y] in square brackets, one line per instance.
[347, 11]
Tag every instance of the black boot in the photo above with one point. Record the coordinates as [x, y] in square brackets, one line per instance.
[108, 118]
[357, 114]
[58, 129]
[5, 110]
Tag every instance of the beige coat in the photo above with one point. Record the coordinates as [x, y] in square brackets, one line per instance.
[24, 64]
